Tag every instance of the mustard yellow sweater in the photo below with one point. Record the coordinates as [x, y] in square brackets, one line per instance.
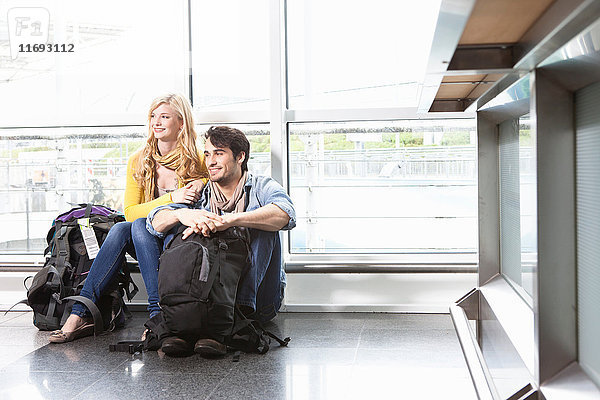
[134, 206]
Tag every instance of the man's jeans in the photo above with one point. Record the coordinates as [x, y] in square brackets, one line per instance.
[133, 238]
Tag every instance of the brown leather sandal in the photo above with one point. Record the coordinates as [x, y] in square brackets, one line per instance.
[60, 336]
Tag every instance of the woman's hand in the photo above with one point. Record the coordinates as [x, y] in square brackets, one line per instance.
[198, 184]
[186, 195]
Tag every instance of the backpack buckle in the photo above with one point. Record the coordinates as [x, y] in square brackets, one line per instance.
[57, 298]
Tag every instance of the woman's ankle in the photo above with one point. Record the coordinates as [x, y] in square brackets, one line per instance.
[73, 322]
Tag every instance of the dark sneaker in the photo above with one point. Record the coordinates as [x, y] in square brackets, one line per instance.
[176, 347]
[210, 348]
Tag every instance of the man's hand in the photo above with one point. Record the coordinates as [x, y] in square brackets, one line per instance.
[198, 221]
[268, 218]
[211, 225]
[227, 221]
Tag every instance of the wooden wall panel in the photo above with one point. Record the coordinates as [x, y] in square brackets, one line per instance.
[501, 21]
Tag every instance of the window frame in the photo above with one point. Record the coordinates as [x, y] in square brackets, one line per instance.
[278, 117]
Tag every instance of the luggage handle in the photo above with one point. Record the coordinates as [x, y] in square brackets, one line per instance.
[88, 210]
[177, 233]
[25, 282]
[24, 301]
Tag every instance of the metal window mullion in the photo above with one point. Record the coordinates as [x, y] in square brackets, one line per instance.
[278, 94]
[187, 46]
[277, 121]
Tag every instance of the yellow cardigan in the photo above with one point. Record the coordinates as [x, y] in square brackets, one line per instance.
[134, 206]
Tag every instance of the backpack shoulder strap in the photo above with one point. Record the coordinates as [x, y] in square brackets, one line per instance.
[56, 284]
[212, 272]
[98, 323]
[156, 333]
[157, 325]
[252, 335]
[127, 282]
[214, 269]
[63, 251]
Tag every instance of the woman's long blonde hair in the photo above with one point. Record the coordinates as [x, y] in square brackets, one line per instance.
[190, 167]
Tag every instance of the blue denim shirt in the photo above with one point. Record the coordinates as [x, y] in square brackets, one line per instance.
[262, 286]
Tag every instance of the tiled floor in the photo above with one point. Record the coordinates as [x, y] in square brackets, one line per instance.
[331, 356]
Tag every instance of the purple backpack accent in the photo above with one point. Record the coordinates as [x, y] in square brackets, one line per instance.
[79, 212]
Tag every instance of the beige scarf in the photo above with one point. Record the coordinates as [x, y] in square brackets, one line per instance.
[172, 161]
[237, 202]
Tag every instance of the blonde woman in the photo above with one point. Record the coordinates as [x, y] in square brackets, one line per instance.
[168, 169]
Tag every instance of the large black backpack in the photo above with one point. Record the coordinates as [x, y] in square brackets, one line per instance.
[66, 267]
[198, 280]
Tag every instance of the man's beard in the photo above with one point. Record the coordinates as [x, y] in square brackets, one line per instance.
[223, 179]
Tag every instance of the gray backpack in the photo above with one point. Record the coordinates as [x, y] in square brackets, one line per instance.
[198, 280]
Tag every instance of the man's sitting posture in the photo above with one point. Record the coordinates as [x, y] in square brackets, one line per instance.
[235, 197]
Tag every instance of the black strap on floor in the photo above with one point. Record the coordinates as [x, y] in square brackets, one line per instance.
[281, 342]
[127, 346]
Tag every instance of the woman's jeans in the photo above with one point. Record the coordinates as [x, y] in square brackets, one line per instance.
[133, 238]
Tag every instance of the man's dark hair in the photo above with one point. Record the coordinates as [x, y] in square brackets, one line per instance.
[224, 136]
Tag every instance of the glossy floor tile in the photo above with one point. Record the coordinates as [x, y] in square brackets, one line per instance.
[331, 356]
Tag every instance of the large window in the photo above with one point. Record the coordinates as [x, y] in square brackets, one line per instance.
[518, 208]
[44, 172]
[230, 55]
[358, 54]
[384, 187]
[588, 227]
[123, 55]
[381, 185]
